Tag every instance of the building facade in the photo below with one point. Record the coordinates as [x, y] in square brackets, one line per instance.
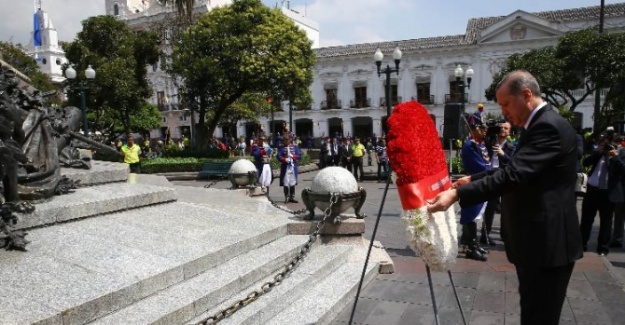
[349, 95]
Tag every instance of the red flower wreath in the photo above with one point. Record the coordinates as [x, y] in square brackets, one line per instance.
[416, 155]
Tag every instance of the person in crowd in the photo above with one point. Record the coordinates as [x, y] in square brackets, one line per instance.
[345, 154]
[131, 152]
[382, 159]
[370, 150]
[241, 147]
[358, 153]
[500, 154]
[476, 160]
[279, 140]
[539, 223]
[262, 156]
[330, 150]
[309, 142]
[619, 207]
[288, 156]
[480, 112]
[603, 190]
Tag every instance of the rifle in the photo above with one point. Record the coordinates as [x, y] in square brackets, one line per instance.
[93, 143]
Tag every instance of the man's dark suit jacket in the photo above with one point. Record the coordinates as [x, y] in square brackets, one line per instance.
[616, 169]
[539, 223]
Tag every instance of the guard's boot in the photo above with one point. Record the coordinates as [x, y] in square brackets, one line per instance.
[464, 241]
[474, 251]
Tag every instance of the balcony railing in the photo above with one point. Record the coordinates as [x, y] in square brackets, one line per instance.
[330, 105]
[360, 103]
[394, 101]
[425, 100]
[456, 98]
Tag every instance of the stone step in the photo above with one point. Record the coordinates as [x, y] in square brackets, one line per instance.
[319, 264]
[79, 271]
[177, 304]
[93, 201]
[327, 298]
[101, 172]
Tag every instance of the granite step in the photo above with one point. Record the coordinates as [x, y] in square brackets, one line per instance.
[80, 271]
[320, 263]
[95, 200]
[101, 172]
[183, 301]
[327, 298]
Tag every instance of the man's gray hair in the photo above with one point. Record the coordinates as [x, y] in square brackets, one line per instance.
[518, 80]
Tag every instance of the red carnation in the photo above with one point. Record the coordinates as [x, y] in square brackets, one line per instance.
[416, 155]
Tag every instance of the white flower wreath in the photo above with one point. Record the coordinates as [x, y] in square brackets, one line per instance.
[433, 236]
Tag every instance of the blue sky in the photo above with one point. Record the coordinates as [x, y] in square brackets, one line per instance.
[341, 21]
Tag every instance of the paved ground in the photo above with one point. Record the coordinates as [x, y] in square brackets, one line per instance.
[488, 290]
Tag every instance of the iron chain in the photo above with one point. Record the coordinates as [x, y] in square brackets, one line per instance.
[279, 207]
[278, 278]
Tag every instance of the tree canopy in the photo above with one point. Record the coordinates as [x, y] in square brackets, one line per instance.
[244, 48]
[120, 57]
[568, 73]
[15, 56]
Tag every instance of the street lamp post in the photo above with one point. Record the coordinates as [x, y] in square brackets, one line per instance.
[460, 75]
[81, 86]
[378, 57]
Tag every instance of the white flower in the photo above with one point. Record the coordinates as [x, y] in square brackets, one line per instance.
[433, 236]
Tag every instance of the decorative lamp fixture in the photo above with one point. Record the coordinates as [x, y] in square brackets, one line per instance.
[338, 181]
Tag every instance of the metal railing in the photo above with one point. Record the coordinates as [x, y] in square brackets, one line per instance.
[456, 98]
[325, 105]
[425, 100]
[360, 103]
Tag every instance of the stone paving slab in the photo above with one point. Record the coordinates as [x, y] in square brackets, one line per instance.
[93, 201]
[101, 172]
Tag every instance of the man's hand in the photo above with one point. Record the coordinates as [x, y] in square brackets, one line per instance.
[498, 150]
[442, 201]
[461, 181]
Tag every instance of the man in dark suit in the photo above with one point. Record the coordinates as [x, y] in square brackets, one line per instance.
[500, 154]
[345, 154]
[539, 223]
[604, 190]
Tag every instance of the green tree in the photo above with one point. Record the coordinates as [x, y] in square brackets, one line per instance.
[16, 57]
[572, 70]
[120, 57]
[239, 49]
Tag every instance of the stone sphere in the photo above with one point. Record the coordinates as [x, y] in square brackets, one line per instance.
[241, 166]
[334, 180]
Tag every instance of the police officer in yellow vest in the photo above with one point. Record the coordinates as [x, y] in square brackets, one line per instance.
[131, 154]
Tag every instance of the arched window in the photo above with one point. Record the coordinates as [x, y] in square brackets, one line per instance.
[116, 9]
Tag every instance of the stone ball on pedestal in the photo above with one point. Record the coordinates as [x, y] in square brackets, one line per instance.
[242, 173]
[334, 180]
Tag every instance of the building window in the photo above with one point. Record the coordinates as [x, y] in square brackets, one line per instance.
[360, 98]
[44, 61]
[395, 99]
[164, 120]
[423, 93]
[454, 95]
[331, 99]
[160, 100]
[58, 61]
[116, 10]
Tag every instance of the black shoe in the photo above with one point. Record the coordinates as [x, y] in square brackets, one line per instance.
[292, 200]
[474, 254]
[487, 241]
[615, 244]
[585, 248]
[286, 200]
[602, 253]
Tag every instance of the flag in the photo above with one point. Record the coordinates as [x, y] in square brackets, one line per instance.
[36, 30]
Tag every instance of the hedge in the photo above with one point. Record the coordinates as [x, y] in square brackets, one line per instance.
[193, 164]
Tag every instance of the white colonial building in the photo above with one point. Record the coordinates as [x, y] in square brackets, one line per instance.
[349, 95]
